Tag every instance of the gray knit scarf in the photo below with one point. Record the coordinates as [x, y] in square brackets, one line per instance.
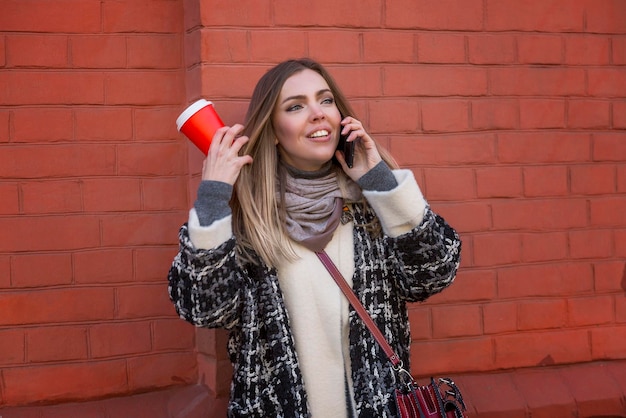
[314, 203]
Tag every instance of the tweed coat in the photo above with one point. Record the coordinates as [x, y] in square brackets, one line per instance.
[212, 288]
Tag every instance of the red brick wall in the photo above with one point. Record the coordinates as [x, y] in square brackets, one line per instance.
[511, 113]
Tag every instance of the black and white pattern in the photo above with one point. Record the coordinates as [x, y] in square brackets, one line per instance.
[209, 288]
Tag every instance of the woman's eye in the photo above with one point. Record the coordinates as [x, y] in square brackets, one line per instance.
[328, 100]
[294, 107]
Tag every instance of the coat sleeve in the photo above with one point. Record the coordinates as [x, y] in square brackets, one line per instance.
[426, 258]
[205, 285]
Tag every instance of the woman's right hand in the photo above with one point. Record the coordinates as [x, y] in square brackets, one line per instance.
[223, 162]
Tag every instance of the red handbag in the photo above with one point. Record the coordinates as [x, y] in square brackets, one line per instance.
[441, 398]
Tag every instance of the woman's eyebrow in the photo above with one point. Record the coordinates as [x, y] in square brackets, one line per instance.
[302, 96]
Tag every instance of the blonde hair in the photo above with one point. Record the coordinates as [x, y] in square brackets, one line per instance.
[257, 214]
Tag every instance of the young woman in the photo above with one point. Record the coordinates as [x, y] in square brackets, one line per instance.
[274, 192]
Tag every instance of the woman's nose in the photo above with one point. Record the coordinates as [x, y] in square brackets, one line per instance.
[317, 112]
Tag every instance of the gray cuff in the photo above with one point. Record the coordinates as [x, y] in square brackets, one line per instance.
[212, 201]
[379, 179]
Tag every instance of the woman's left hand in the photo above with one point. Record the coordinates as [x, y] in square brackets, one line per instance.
[366, 155]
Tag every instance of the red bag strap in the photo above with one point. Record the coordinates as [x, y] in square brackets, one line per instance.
[359, 308]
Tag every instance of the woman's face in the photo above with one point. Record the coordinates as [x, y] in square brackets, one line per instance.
[306, 121]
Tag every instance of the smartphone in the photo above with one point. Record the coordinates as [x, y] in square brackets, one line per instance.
[347, 148]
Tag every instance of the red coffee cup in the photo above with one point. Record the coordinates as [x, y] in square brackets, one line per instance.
[199, 122]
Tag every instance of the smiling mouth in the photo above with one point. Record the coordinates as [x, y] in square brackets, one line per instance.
[319, 134]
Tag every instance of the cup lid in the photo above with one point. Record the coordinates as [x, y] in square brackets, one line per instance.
[187, 113]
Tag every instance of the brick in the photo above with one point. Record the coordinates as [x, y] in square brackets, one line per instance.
[621, 179]
[456, 321]
[493, 395]
[36, 51]
[138, 87]
[10, 202]
[530, 349]
[544, 280]
[147, 229]
[445, 115]
[143, 301]
[556, 402]
[119, 339]
[543, 147]
[28, 123]
[48, 233]
[263, 45]
[592, 179]
[154, 51]
[542, 114]
[449, 184]
[5, 126]
[606, 17]
[467, 216]
[383, 46]
[497, 249]
[63, 16]
[155, 123]
[606, 82]
[51, 197]
[468, 148]
[594, 389]
[590, 311]
[545, 214]
[546, 181]
[340, 47]
[49, 87]
[41, 270]
[539, 49]
[618, 50]
[362, 81]
[609, 147]
[228, 81]
[152, 264]
[469, 286]
[608, 275]
[97, 194]
[161, 370]
[511, 15]
[537, 81]
[619, 114]
[56, 344]
[212, 342]
[441, 48]
[98, 51]
[103, 266]
[500, 317]
[147, 159]
[620, 310]
[326, 13]
[64, 381]
[12, 347]
[53, 306]
[173, 334]
[588, 114]
[446, 357]
[103, 123]
[164, 194]
[542, 314]
[161, 16]
[5, 271]
[420, 323]
[608, 212]
[544, 246]
[394, 115]
[429, 14]
[499, 182]
[245, 13]
[492, 49]
[620, 243]
[495, 114]
[586, 50]
[434, 80]
[217, 45]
